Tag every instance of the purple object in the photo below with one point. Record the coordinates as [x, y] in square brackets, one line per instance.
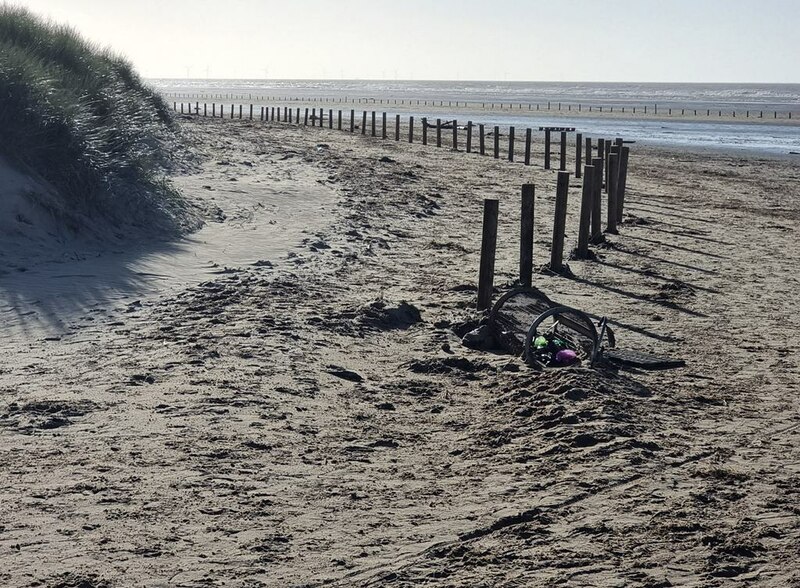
[566, 357]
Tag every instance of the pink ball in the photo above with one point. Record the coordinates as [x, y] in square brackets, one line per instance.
[566, 357]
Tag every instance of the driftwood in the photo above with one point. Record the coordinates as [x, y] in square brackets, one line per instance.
[446, 124]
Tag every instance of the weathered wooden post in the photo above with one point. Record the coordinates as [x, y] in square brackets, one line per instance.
[397, 127]
[511, 144]
[526, 236]
[410, 129]
[597, 185]
[601, 154]
[438, 132]
[330, 118]
[373, 129]
[488, 247]
[455, 135]
[586, 212]
[213, 110]
[352, 120]
[424, 130]
[240, 112]
[497, 142]
[622, 181]
[364, 123]
[298, 115]
[611, 184]
[578, 154]
[181, 107]
[559, 223]
[562, 166]
[588, 150]
[547, 146]
[528, 137]
[383, 126]
[251, 112]
[232, 107]
[205, 110]
[469, 136]
[305, 118]
[482, 139]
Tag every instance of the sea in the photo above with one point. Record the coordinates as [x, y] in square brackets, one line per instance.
[761, 126]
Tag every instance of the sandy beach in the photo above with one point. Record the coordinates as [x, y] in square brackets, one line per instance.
[282, 399]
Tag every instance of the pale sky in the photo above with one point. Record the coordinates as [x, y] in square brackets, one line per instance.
[530, 40]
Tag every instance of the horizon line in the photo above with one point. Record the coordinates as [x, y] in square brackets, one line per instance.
[245, 79]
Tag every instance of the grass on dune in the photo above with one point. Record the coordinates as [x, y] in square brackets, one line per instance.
[81, 118]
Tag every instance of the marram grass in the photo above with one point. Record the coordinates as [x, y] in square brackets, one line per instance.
[83, 120]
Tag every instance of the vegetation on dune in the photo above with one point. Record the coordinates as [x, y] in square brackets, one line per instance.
[81, 118]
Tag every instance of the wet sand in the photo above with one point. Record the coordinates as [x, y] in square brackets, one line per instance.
[289, 421]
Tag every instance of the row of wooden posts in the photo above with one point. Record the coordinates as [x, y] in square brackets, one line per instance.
[317, 118]
[590, 229]
[550, 106]
[607, 172]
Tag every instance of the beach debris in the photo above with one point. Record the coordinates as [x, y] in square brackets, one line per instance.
[480, 338]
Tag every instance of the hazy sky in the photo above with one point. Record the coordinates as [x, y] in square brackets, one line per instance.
[559, 40]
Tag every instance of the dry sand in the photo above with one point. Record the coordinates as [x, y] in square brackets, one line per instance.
[293, 423]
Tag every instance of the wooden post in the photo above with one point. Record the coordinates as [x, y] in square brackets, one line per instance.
[455, 135]
[511, 144]
[240, 112]
[488, 247]
[469, 136]
[588, 150]
[611, 184]
[364, 123]
[424, 131]
[622, 181]
[339, 121]
[578, 154]
[373, 125]
[251, 112]
[298, 115]
[397, 127]
[497, 142]
[438, 132]
[482, 139]
[213, 110]
[597, 185]
[526, 236]
[586, 212]
[352, 121]
[528, 136]
[410, 129]
[547, 146]
[305, 118]
[559, 223]
[563, 161]
[601, 154]
[330, 118]
[383, 126]
[232, 107]
[205, 110]
[607, 154]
